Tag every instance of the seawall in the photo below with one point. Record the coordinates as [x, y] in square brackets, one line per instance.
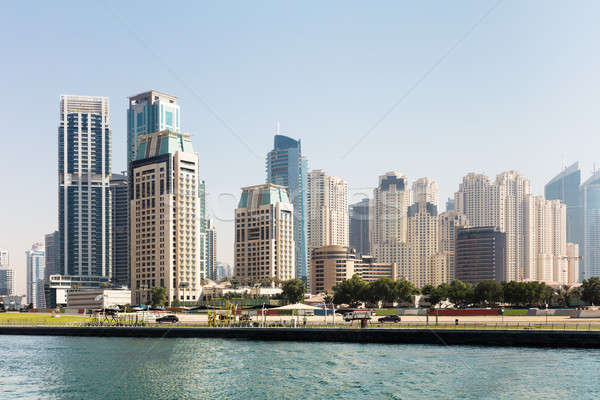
[532, 338]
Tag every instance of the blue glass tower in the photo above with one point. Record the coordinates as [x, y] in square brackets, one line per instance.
[287, 167]
[84, 169]
[150, 112]
[565, 187]
[590, 191]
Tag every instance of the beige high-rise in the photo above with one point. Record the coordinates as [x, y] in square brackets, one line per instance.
[425, 190]
[449, 221]
[264, 234]
[164, 218]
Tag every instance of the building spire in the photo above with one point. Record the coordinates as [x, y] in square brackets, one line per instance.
[277, 127]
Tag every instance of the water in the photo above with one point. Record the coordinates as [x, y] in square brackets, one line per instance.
[34, 367]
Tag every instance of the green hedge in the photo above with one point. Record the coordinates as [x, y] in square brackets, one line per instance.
[386, 311]
[516, 312]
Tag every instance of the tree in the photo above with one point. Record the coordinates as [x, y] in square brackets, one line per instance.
[489, 292]
[351, 291]
[403, 291]
[436, 294]
[327, 298]
[590, 290]
[380, 290]
[460, 293]
[293, 291]
[159, 296]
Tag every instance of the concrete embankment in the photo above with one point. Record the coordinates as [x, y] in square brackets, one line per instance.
[534, 338]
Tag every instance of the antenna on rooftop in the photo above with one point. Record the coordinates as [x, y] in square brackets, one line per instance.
[277, 129]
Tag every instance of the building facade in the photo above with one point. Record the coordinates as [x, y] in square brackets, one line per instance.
[590, 191]
[449, 221]
[480, 254]
[4, 258]
[35, 273]
[119, 189]
[264, 234]
[165, 240]
[334, 264]
[84, 168]
[51, 251]
[359, 226]
[286, 166]
[150, 112]
[425, 190]
[566, 187]
[7, 281]
[211, 250]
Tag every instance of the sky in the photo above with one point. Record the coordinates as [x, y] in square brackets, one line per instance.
[436, 89]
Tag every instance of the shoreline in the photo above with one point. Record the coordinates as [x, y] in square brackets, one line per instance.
[451, 337]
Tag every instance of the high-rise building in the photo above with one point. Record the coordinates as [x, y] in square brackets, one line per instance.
[450, 204]
[565, 187]
[546, 244]
[333, 264]
[572, 263]
[150, 112]
[164, 224]
[359, 226]
[391, 199]
[51, 251]
[223, 271]
[7, 281]
[286, 166]
[590, 191]
[4, 258]
[35, 272]
[203, 221]
[327, 210]
[264, 234]
[500, 204]
[427, 266]
[449, 221]
[119, 189]
[425, 190]
[84, 169]
[211, 250]
[480, 254]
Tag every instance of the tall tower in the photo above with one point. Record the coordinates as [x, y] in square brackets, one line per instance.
[425, 190]
[359, 226]
[51, 253]
[150, 112]
[4, 258]
[286, 166]
[264, 234]
[35, 273]
[449, 221]
[427, 266]
[211, 250]
[84, 169]
[327, 210]
[591, 226]
[119, 188]
[165, 239]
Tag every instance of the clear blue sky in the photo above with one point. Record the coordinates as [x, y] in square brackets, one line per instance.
[520, 91]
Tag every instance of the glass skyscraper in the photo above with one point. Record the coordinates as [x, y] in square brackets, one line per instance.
[590, 191]
[566, 187]
[287, 167]
[119, 188]
[84, 201]
[359, 226]
[150, 112]
[35, 273]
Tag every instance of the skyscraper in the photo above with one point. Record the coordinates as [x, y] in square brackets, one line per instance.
[427, 266]
[84, 168]
[565, 187]
[327, 210]
[35, 273]
[449, 221]
[286, 166]
[359, 226]
[165, 239]
[4, 258]
[119, 189]
[211, 250]
[391, 199]
[264, 234]
[591, 226]
[150, 112]
[500, 204]
[480, 254]
[425, 190]
[7, 281]
[202, 226]
[51, 251]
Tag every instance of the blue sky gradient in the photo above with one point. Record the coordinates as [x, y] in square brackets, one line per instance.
[518, 92]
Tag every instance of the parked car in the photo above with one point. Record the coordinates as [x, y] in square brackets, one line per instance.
[168, 318]
[389, 318]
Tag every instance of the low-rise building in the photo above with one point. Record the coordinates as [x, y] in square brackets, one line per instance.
[97, 298]
[330, 265]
